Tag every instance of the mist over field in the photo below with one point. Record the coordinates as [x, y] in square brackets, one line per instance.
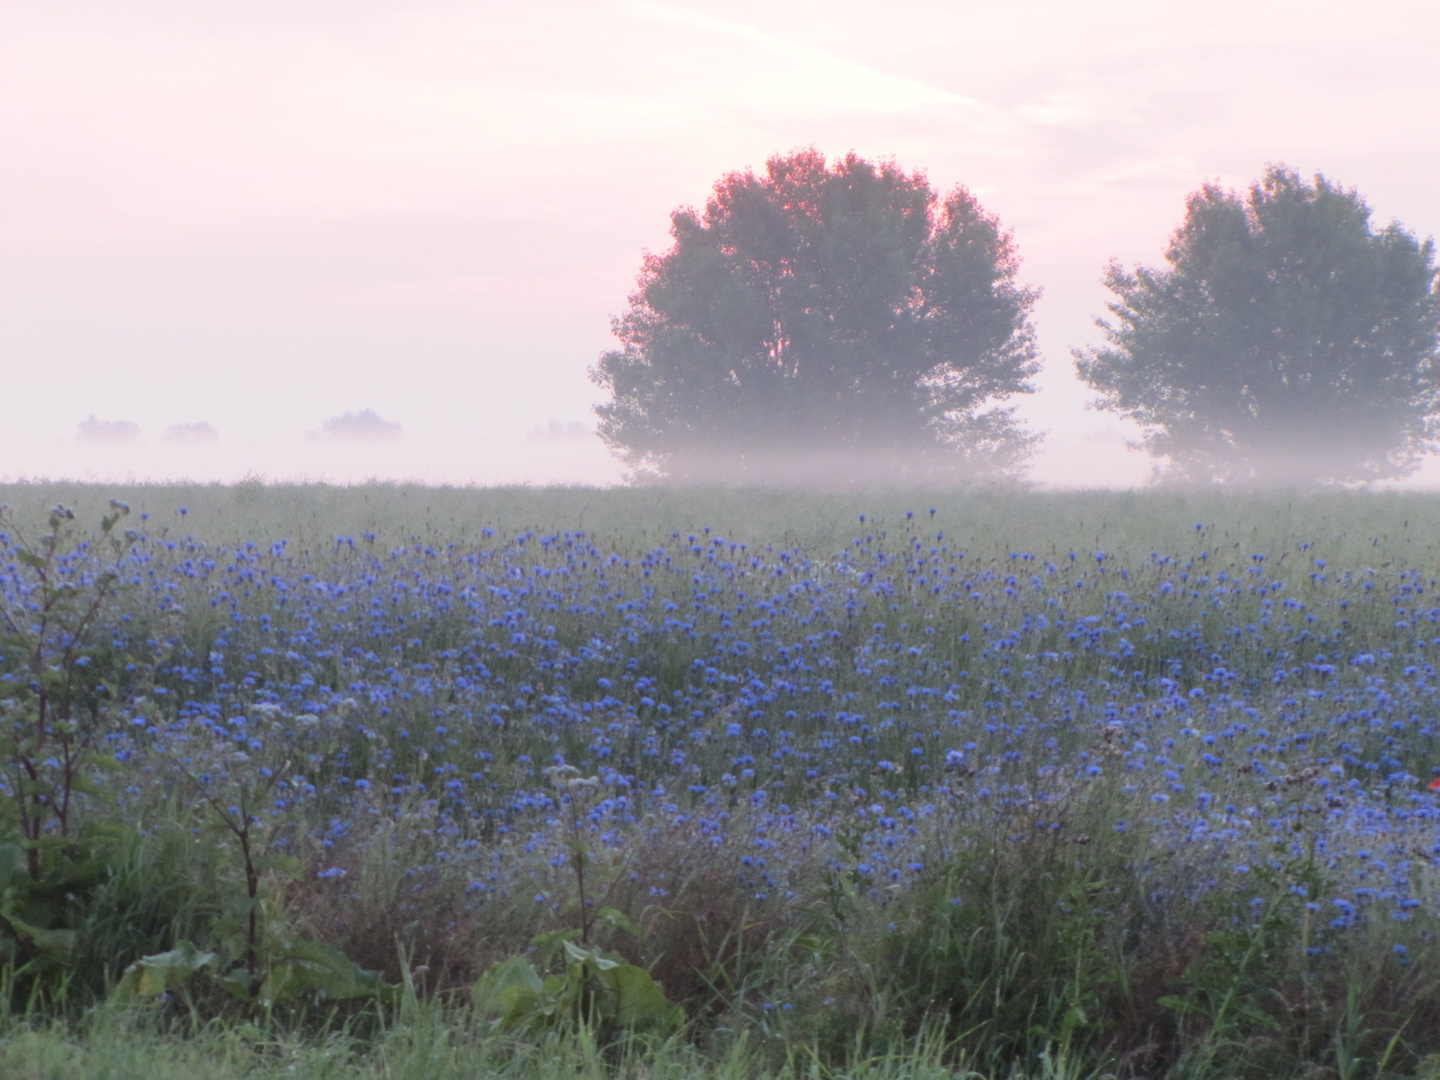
[774, 540]
[476, 460]
[257, 219]
[1100, 460]
[1095, 461]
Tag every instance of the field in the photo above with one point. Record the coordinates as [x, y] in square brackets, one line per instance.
[396, 781]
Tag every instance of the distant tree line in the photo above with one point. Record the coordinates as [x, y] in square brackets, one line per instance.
[94, 430]
[844, 316]
[364, 426]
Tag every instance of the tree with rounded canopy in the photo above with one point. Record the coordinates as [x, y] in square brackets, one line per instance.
[1287, 341]
[820, 322]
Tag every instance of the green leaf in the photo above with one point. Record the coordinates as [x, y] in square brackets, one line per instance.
[314, 969]
[12, 865]
[588, 956]
[29, 558]
[282, 983]
[236, 983]
[550, 939]
[153, 975]
[639, 1001]
[549, 942]
[57, 943]
[609, 916]
[506, 985]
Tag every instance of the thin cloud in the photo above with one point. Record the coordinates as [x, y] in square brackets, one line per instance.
[814, 78]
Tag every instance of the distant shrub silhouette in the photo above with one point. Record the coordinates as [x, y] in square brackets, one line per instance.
[561, 431]
[364, 426]
[108, 431]
[200, 432]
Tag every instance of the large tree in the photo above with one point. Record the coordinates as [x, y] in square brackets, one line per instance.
[1286, 341]
[823, 319]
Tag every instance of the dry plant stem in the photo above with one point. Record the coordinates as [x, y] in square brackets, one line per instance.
[587, 917]
[252, 893]
[580, 887]
[70, 751]
[241, 832]
[51, 709]
[579, 859]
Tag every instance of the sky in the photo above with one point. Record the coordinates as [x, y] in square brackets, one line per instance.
[261, 215]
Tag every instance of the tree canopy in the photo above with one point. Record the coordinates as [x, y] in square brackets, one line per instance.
[823, 317]
[1286, 341]
[93, 430]
[365, 426]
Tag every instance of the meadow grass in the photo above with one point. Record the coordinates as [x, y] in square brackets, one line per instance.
[890, 784]
[1355, 526]
[426, 1045]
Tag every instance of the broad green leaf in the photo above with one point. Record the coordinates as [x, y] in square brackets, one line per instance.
[520, 1005]
[153, 975]
[236, 983]
[579, 955]
[609, 916]
[550, 940]
[496, 992]
[312, 968]
[282, 983]
[639, 1000]
[12, 865]
[59, 943]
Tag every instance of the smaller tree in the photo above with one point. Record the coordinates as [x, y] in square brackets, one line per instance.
[364, 426]
[201, 432]
[107, 431]
[1287, 341]
[572, 431]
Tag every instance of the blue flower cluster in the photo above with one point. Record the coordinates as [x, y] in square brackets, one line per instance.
[861, 709]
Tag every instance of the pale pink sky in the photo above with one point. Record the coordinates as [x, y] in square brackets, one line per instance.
[262, 214]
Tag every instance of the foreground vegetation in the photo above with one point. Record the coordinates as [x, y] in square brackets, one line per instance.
[394, 780]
